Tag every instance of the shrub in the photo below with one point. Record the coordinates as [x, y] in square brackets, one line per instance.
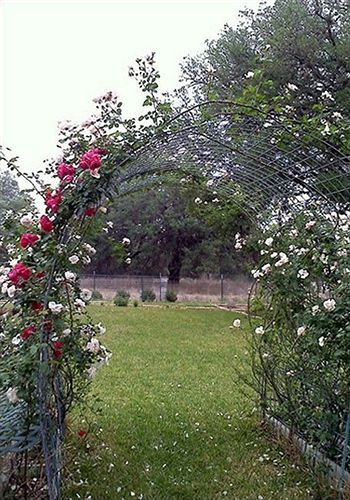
[148, 296]
[135, 303]
[171, 296]
[96, 295]
[122, 298]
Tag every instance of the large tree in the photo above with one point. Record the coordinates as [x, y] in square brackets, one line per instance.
[302, 47]
[175, 228]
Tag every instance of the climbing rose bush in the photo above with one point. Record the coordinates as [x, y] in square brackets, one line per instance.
[302, 344]
[43, 306]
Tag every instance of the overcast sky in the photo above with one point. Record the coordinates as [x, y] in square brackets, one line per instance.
[57, 56]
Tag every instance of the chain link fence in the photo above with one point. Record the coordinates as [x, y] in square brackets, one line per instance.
[214, 289]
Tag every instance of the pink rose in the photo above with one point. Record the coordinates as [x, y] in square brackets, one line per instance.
[91, 160]
[64, 170]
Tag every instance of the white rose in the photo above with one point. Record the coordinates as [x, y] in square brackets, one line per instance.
[110, 224]
[103, 210]
[55, 308]
[342, 253]
[128, 260]
[27, 220]
[93, 346]
[324, 259]
[66, 332]
[310, 224]
[11, 395]
[329, 304]
[91, 250]
[69, 276]
[321, 341]
[250, 74]
[237, 323]
[266, 268]
[86, 294]
[11, 290]
[283, 260]
[79, 303]
[256, 273]
[301, 331]
[303, 273]
[292, 87]
[315, 310]
[273, 255]
[74, 259]
[16, 340]
[259, 330]
[101, 328]
[269, 241]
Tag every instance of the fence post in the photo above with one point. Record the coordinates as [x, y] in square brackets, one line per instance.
[94, 281]
[222, 287]
[160, 287]
[141, 284]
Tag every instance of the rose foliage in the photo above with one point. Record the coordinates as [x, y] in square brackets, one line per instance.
[302, 342]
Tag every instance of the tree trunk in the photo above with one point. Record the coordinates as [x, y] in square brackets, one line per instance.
[174, 266]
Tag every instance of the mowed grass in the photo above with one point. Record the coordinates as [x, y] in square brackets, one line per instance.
[176, 420]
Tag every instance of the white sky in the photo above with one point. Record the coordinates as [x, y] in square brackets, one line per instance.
[57, 56]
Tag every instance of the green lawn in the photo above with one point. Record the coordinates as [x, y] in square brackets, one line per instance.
[176, 421]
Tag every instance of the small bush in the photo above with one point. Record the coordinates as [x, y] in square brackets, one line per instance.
[171, 296]
[135, 303]
[96, 295]
[148, 296]
[122, 298]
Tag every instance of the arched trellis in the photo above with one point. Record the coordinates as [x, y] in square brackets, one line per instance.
[269, 162]
[272, 162]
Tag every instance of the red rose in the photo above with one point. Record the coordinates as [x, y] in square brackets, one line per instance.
[28, 332]
[82, 433]
[28, 240]
[45, 224]
[40, 275]
[64, 170]
[90, 211]
[58, 349]
[19, 274]
[90, 160]
[53, 201]
[37, 306]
